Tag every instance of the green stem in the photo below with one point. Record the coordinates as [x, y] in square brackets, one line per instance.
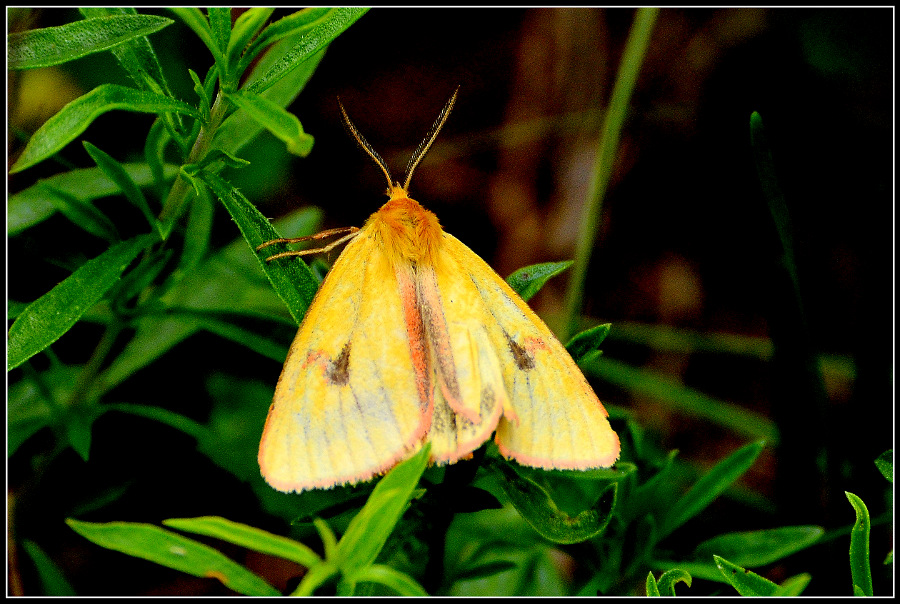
[181, 189]
[632, 57]
[88, 376]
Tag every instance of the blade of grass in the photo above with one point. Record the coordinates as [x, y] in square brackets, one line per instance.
[632, 57]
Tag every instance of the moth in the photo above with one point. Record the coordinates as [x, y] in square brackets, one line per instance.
[413, 338]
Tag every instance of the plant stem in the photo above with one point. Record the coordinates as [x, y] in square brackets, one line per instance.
[630, 67]
[181, 189]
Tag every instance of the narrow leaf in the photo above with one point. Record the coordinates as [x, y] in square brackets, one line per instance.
[650, 586]
[247, 536]
[885, 464]
[529, 280]
[74, 118]
[32, 205]
[585, 346]
[758, 548]
[245, 27]
[54, 313]
[163, 416]
[116, 173]
[710, 486]
[370, 528]
[219, 324]
[239, 128]
[174, 551]
[137, 57]
[220, 26]
[276, 120]
[860, 568]
[290, 277]
[669, 578]
[399, 582]
[537, 507]
[292, 25]
[55, 45]
[747, 583]
[680, 397]
[228, 280]
[83, 213]
[196, 20]
[793, 586]
[309, 44]
[52, 579]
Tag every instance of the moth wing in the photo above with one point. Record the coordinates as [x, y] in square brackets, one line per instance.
[471, 397]
[556, 420]
[340, 413]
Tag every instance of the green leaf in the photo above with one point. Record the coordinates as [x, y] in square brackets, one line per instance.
[198, 231]
[33, 403]
[758, 548]
[371, 527]
[666, 584]
[651, 587]
[77, 425]
[747, 583]
[290, 277]
[54, 583]
[230, 280]
[247, 536]
[710, 486]
[219, 324]
[316, 576]
[859, 546]
[537, 507]
[55, 45]
[33, 205]
[680, 397]
[293, 25]
[885, 465]
[793, 586]
[240, 128]
[196, 20]
[137, 57]
[83, 214]
[74, 118]
[401, 583]
[585, 346]
[200, 89]
[765, 168]
[245, 27]
[276, 120]
[54, 313]
[173, 551]
[329, 540]
[211, 158]
[163, 416]
[116, 173]
[311, 42]
[220, 26]
[487, 569]
[529, 280]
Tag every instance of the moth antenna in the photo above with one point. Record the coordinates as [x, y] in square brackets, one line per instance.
[366, 146]
[429, 138]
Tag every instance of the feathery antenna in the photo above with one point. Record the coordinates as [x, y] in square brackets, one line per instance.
[366, 146]
[429, 138]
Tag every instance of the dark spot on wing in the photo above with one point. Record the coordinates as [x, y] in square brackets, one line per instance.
[488, 399]
[339, 371]
[523, 358]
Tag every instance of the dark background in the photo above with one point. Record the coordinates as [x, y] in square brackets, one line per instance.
[686, 239]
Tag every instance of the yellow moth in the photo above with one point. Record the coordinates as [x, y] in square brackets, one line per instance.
[412, 338]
